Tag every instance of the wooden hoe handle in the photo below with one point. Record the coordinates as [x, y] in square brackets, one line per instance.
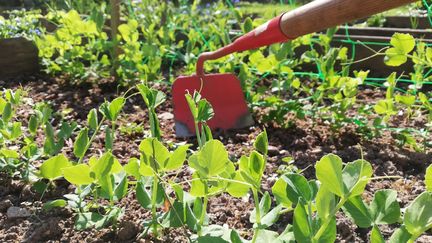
[322, 14]
[312, 17]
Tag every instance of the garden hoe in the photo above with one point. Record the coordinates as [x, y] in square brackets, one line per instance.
[224, 91]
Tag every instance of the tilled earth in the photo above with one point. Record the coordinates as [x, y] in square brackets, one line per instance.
[305, 141]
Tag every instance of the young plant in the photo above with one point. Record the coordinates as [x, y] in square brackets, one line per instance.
[111, 111]
[202, 111]
[10, 131]
[152, 98]
[386, 107]
[212, 171]
[102, 178]
[337, 186]
[155, 161]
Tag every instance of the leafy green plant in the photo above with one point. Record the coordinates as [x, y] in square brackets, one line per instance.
[386, 107]
[76, 48]
[102, 178]
[155, 161]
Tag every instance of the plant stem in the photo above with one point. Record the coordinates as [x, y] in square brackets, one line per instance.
[91, 140]
[153, 200]
[415, 236]
[257, 209]
[257, 214]
[204, 208]
[198, 135]
[323, 226]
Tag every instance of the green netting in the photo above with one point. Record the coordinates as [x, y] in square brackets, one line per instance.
[347, 40]
[377, 82]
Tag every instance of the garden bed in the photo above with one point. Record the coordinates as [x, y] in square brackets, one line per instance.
[306, 142]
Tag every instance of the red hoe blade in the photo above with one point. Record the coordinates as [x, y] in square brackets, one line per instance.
[223, 91]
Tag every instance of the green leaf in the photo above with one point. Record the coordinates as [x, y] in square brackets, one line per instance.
[256, 165]
[9, 154]
[235, 238]
[59, 203]
[329, 173]
[152, 98]
[266, 236]
[271, 217]
[237, 189]
[193, 108]
[247, 25]
[280, 192]
[404, 43]
[52, 168]
[329, 234]
[103, 166]
[112, 109]
[428, 178]
[407, 100]
[394, 57]
[78, 175]
[376, 236]
[302, 231]
[384, 107]
[261, 143]
[81, 142]
[205, 111]
[132, 168]
[87, 220]
[33, 124]
[211, 160]
[385, 207]
[92, 119]
[197, 186]
[7, 112]
[153, 148]
[211, 239]
[356, 209]
[297, 188]
[418, 215]
[401, 235]
[121, 186]
[106, 184]
[325, 203]
[355, 176]
[287, 236]
[142, 195]
[177, 158]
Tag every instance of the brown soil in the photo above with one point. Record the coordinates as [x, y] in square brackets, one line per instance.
[306, 141]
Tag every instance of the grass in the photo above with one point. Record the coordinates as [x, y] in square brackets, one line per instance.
[265, 10]
[269, 10]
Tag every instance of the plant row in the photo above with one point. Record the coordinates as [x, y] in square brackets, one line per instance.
[101, 181]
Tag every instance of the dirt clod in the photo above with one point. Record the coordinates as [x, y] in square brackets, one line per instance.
[127, 231]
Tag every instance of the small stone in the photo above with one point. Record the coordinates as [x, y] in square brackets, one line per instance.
[283, 151]
[5, 204]
[17, 212]
[272, 150]
[166, 116]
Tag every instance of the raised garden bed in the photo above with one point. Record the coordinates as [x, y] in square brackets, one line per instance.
[19, 56]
